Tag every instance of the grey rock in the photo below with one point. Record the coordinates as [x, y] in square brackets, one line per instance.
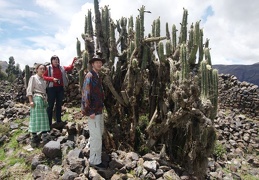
[52, 149]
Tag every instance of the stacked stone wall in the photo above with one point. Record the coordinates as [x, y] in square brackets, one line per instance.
[243, 96]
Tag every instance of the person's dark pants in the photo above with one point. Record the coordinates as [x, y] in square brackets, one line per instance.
[55, 94]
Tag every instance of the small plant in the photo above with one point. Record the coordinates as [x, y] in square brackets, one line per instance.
[219, 150]
[4, 129]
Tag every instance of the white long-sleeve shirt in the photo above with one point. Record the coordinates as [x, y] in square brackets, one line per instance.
[36, 85]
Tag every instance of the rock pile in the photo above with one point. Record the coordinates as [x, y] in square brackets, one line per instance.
[9, 109]
[239, 142]
[68, 153]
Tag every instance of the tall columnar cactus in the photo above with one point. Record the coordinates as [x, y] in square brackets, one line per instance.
[78, 47]
[106, 22]
[204, 81]
[89, 24]
[154, 29]
[169, 49]
[174, 41]
[130, 24]
[207, 55]
[200, 47]
[184, 63]
[85, 27]
[146, 57]
[122, 24]
[167, 31]
[183, 33]
[113, 50]
[83, 69]
[160, 52]
[157, 27]
[195, 43]
[141, 17]
[27, 75]
[214, 93]
[191, 37]
[137, 33]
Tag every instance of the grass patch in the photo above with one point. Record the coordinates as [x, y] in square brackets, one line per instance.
[219, 150]
[20, 121]
[13, 142]
[68, 115]
[249, 177]
[15, 158]
[2, 154]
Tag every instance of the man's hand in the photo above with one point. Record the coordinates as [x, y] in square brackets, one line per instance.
[89, 75]
[92, 116]
[32, 104]
[74, 60]
[55, 80]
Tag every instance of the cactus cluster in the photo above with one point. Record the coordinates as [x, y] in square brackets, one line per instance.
[166, 78]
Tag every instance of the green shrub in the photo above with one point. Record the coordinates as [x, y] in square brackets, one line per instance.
[4, 129]
[219, 150]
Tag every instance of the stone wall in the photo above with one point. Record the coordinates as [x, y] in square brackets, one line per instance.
[243, 96]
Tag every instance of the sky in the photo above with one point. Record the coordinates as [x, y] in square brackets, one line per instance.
[34, 30]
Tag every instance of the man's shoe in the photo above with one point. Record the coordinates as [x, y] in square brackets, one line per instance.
[34, 144]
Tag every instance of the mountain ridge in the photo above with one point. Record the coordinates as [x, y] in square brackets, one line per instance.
[248, 73]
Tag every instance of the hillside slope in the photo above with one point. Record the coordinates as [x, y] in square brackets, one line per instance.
[248, 73]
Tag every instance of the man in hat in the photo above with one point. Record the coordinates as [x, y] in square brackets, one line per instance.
[92, 106]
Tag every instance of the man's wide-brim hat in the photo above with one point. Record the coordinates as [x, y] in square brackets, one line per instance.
[97, 58]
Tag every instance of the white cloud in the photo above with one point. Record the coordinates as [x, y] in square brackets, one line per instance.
[50, 27]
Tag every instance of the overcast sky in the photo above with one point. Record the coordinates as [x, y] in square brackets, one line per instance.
[34, 30]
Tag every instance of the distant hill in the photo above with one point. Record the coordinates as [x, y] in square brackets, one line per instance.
[248, 73]
[4, 66]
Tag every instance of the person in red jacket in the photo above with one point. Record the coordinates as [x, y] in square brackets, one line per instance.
[55, 75]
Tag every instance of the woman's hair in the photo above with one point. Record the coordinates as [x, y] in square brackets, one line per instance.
[54, 57]
[38, 65]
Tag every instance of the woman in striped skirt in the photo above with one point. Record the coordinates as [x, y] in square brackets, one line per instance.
[36, 92]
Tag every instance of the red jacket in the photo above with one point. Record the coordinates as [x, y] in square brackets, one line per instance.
[56, 74]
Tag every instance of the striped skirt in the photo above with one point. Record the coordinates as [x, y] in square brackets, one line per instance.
[39, 120]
